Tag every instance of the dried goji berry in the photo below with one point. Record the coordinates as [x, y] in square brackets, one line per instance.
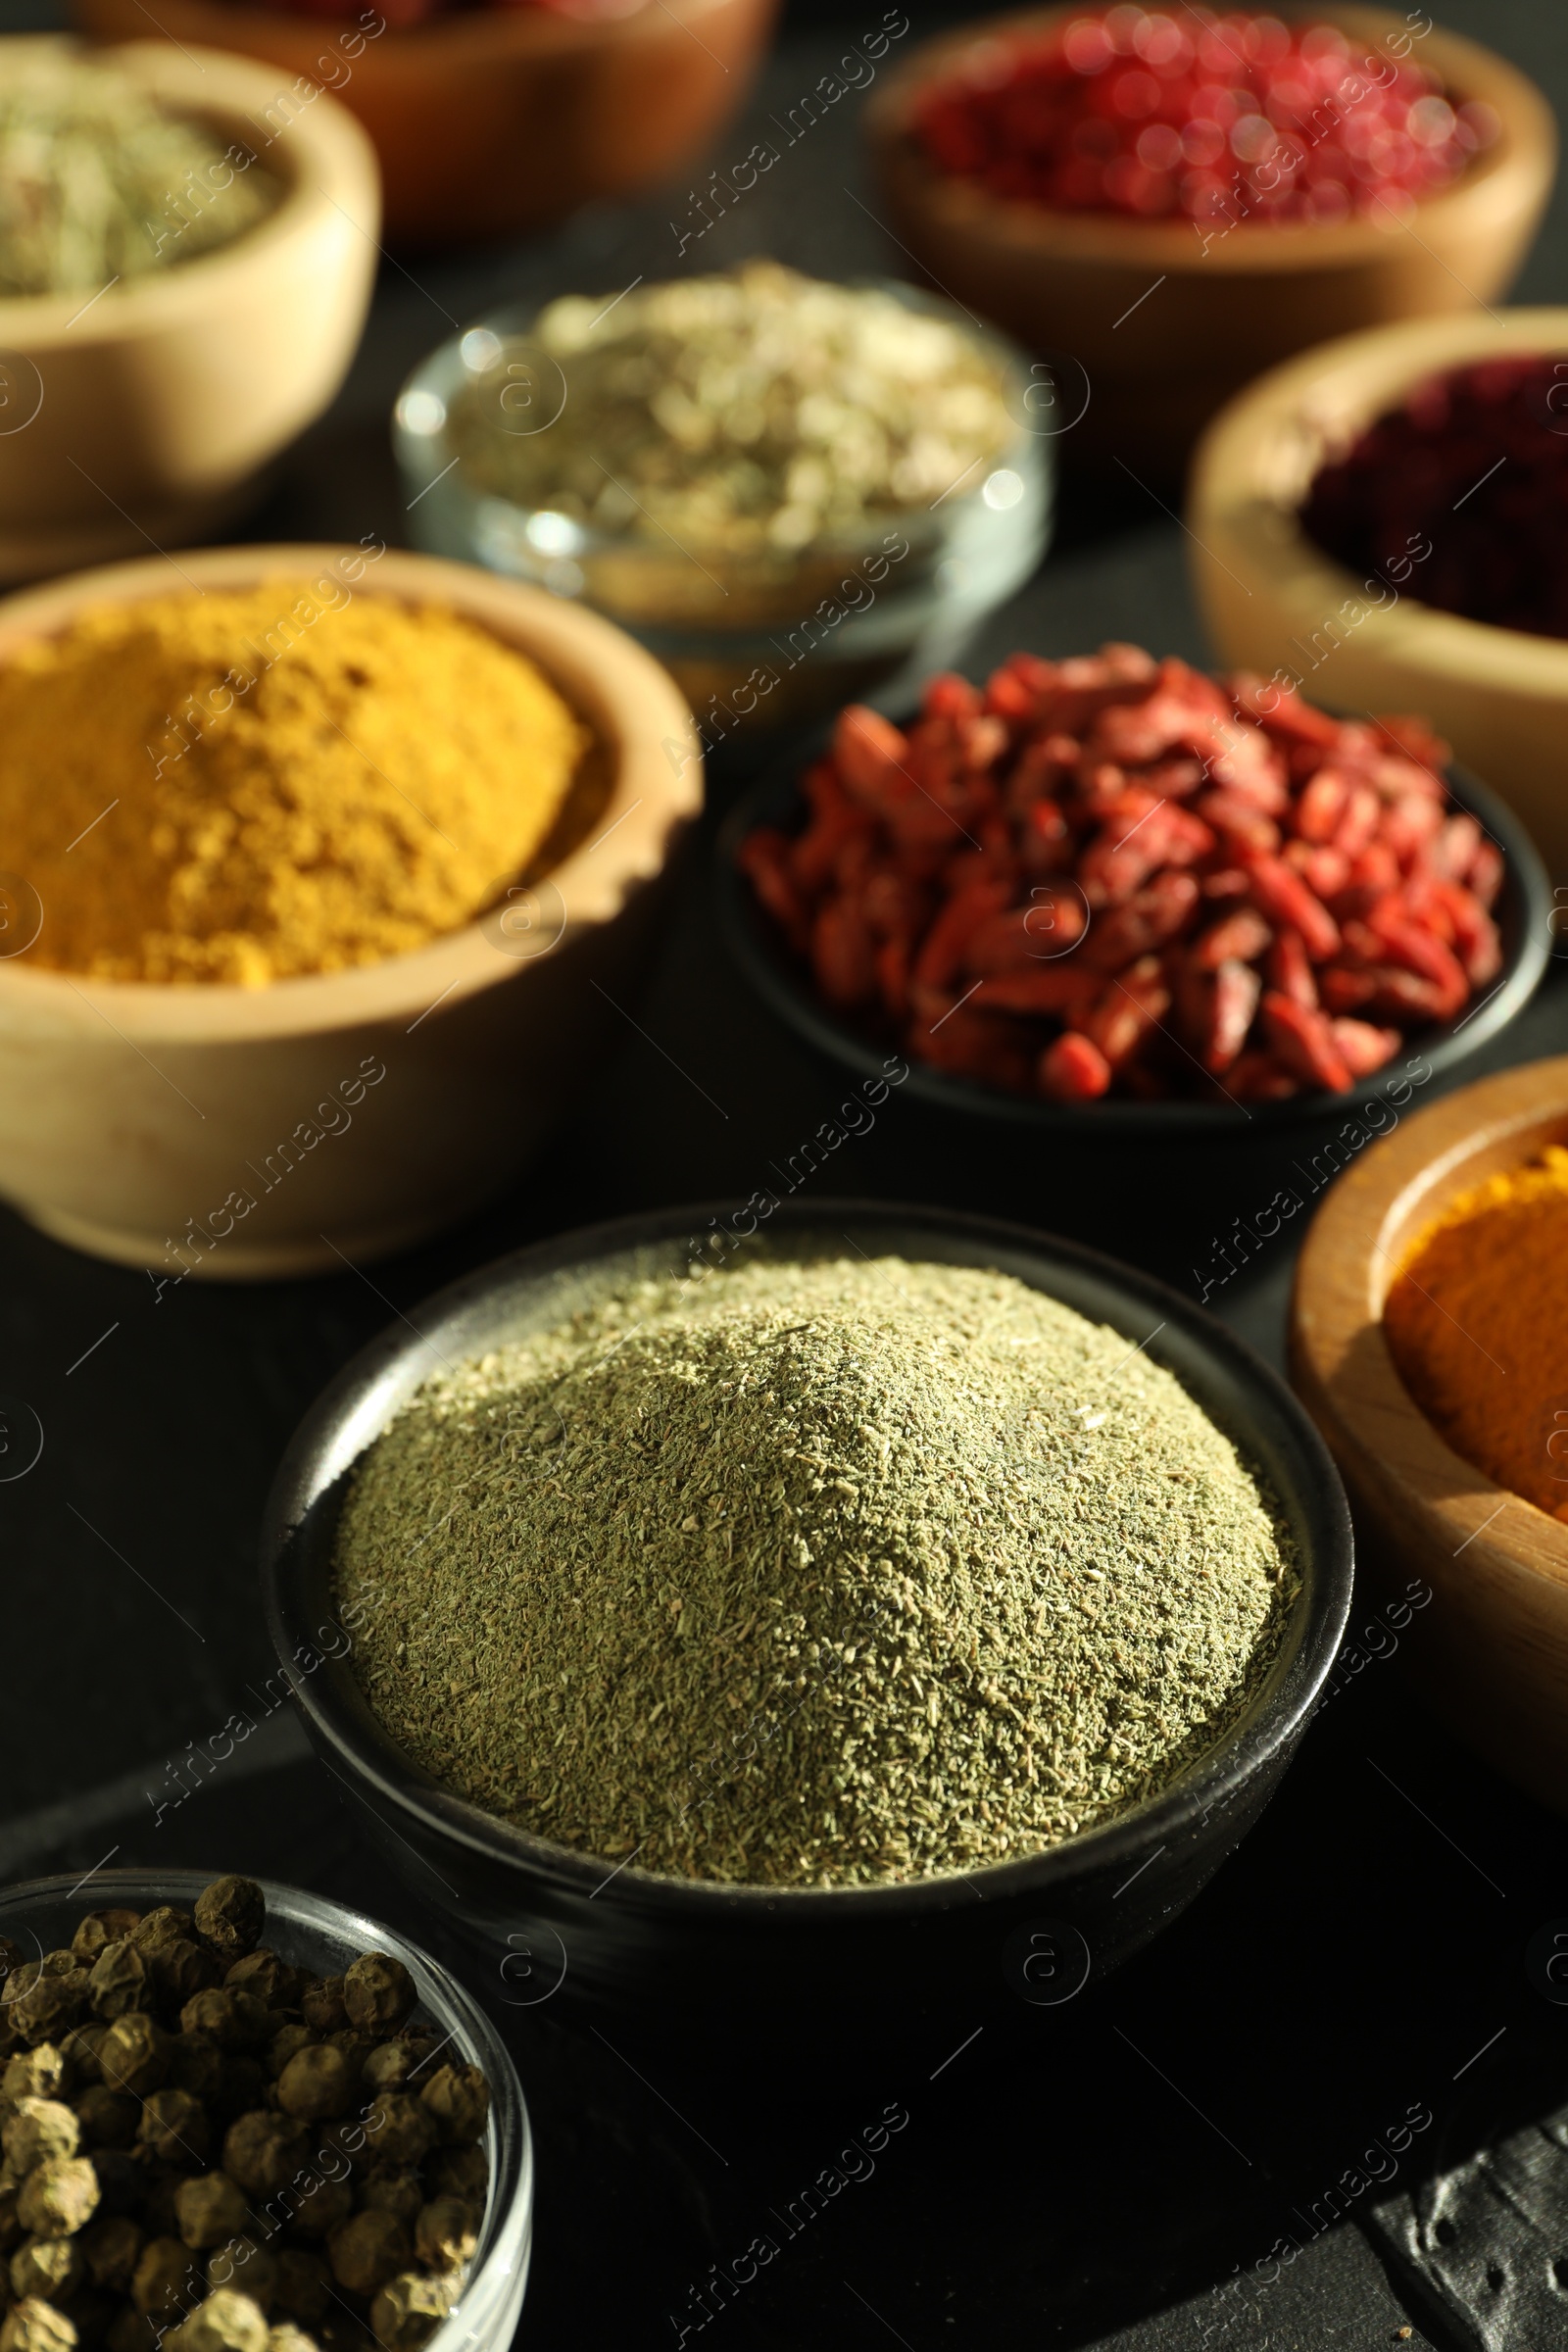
[1073, 1069]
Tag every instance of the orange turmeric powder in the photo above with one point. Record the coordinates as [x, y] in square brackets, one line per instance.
[242, 786]
[1477, 1323]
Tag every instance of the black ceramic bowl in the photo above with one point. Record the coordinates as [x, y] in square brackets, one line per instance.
[604, 1941]
[1524, 916]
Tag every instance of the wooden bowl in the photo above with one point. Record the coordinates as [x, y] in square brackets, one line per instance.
[1272, 599]
[146, 411]
[500, 118]
[1161, 329]
[235, 1133]
[1491, 1643]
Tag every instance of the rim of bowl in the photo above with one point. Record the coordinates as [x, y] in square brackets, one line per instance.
[415, 448]
[509, 2202]
[1518, 167]
[480, 35]
[626, 697]
[327, 167]
[339, 1716]
[1257, 460]
[1525, 906]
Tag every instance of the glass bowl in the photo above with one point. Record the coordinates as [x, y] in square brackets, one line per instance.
[324, 1936]
[749, 640]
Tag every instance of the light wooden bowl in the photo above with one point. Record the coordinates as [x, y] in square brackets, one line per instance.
[135, 1118]
[1272, 599]
[496, 118]
[145, 414]
[1165, 331]
[1491, 1646]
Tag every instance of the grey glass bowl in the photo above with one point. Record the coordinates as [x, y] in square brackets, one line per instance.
[324, 1937]
[614, 1939]
[748, 643]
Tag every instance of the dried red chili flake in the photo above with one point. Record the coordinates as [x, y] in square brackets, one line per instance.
[1459, 496]
[1082, 908]
[1226, 119]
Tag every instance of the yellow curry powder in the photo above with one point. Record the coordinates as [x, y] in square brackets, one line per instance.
[1476, 1322]
[242, 786]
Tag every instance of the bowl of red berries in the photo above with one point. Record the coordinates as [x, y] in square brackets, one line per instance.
[1163, 202]
[1114, 894]
[489, 117]
[1388, 513]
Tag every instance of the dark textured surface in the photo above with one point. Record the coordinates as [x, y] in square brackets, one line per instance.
[1118, 2167]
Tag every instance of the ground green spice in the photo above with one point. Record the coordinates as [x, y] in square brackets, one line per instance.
[819, 1573]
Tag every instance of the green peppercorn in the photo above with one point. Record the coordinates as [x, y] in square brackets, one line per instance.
[134, 2054]
[230, 2019]
[283, 2045]
[399, 2130]
[387, 2067]
[180, 1968]
[456, 2099]
[78, 2052]
[226, 2321]
[50, 2267]
[246, 2263]
[263, 2152]
[165, 2283]
[38, 2129]
[446, 2234]
[100, 1927]
[322, 2005]
[377, 1993]
[166, 1924]
[209, 2210]
[230, 1916]
[273, 1981]
[122, 1978]
[58, 2196]
[317, 2083]
[459, 2173]
[38, 2074]
[303, 2287]
[34, 2326]
[54, 2002]
[408, 2310]
[173, 2128]
[368, 2250]
[396, 2190]
[284, 2337]
[112, 2248]
[106, 2118]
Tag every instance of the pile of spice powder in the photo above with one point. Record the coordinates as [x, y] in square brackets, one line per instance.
[1475, 1320]
[750, 415]
[242, 786]
[99, 185]
[841, 1572]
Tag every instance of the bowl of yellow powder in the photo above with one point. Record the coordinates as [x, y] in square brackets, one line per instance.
[1431, 1304]
[186, 257]
[308, 857]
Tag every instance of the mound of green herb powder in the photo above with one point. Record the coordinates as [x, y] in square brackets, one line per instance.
[814, 1574]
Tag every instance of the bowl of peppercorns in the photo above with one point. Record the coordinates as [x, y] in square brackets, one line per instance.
[1383, 519]
[243, 2119]
[1163, 202]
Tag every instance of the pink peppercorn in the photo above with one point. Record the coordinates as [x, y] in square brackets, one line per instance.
[1222, 119]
